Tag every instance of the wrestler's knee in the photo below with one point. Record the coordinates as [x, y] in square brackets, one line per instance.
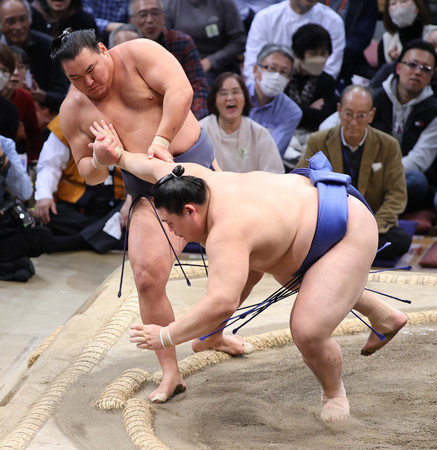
[306, 337]
[150, 275]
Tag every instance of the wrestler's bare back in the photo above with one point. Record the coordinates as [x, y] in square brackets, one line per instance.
[130, 104]
[284, 235]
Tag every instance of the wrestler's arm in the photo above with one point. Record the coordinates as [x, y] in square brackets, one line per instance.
[78, 141]
[228, 262]
[163, 73]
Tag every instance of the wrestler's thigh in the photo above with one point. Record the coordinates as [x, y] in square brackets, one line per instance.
[148, 246]
[332, 286]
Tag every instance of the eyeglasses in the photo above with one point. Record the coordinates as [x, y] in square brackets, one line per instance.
[359, 117]
[143, 14]
[413, 66]
[234, 92]
[274, 69]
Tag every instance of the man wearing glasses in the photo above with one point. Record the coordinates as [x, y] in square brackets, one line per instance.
[270, 106]
[407, 109]
[148, 17]
[372, 159]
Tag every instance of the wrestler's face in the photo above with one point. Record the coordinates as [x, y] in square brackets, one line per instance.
[230, 100]
[355, 113]
[148, 17]
[184, 225]
[90, 72]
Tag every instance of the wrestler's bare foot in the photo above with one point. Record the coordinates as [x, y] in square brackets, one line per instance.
[389, 327]
[168, 388]
[335, 407]
[234, 345]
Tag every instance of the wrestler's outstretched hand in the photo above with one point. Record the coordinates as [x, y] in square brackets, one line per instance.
[145, 336]
[106, 146]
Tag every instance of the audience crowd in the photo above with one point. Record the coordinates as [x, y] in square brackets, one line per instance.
[266, 76]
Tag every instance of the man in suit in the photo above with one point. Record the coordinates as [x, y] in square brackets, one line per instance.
[373, 160]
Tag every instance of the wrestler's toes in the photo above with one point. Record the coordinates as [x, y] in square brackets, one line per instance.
[162, 397]
[335, 409]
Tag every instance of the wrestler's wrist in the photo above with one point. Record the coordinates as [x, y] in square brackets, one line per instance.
[165, 337]
[163, 142]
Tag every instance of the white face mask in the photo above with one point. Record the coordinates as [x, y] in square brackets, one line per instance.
[404, 16]
[314, 65]
[272, 83]
[4, 78]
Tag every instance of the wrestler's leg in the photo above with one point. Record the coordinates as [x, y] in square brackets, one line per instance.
[234, 345]
[383, 318]
[329, 290]
[151, 260]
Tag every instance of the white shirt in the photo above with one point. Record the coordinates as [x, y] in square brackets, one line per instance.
[249, 148]
[277, 24]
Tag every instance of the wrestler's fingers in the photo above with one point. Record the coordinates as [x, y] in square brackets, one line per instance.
[114, 132]
[105, 126]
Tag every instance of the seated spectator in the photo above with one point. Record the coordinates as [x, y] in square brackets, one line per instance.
[109, 14]
[8, 111]
[148, 16]
[240, 143]
[359, 18]
[388, 68]
[50, 84]
[124, 33]
[373, 161]
[310, 86]
[54, 16]
[29, 137]
[407, 109]
[20, 237]
[270, 106]
[216, 29]
[404, 20]
[81, 217]
[277, 24]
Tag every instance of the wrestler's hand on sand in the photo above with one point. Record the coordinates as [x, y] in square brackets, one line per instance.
[106, 147]
[160, 152]
[145, 336]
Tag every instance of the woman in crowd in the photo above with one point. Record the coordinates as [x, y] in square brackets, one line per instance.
[8, 111]
[310, 87]
[240, 143]
[404, 20]
[53, 16]
[29, 138]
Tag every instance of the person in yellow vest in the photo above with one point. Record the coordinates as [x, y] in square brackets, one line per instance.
[82, 217]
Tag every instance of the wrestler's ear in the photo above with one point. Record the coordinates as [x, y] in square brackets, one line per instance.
[189, 209]
[102, 48]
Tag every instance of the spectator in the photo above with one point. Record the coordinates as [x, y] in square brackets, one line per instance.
[54, 16]
[124, 33]
[271, 108]
[50, 84]
[20, 238]
[388, 68]
[216, 29]
[404, 20]
[240, 143]
[8, 111]
[278, 23]
[407, 109]
[109, 14]
[148, 16]
[310, 86]
[360, 18]
[81, 217]
[373, 160]
[29, 137]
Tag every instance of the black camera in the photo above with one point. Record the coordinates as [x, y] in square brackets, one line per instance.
[13, 214]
